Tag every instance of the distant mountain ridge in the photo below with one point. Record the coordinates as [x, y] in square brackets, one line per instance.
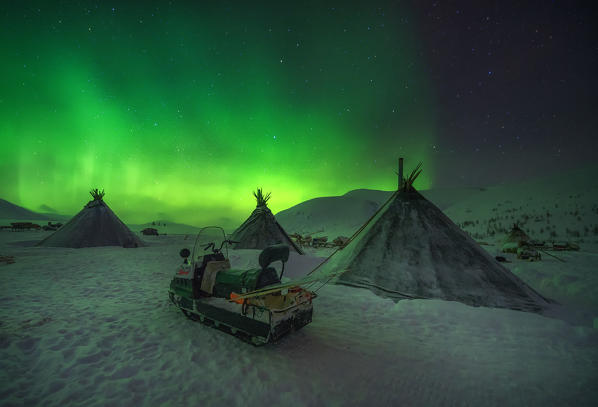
[342, 215]
[336, 215]
[8, 210]
[554, 207]
[45, 209]
[166, 227]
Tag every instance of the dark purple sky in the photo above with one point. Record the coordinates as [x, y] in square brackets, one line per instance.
[515, 84]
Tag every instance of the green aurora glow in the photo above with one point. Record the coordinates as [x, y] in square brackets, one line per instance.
[181, 114]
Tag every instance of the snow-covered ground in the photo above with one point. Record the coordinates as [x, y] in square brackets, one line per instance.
[94, 327]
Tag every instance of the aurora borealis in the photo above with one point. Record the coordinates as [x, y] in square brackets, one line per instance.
[183, 110]
[180, 109]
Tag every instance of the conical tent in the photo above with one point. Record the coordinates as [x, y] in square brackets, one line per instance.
[94, 225]
[261, 229]
[514, 239]
[410, 249]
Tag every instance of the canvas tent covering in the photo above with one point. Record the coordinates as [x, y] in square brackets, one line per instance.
[94, 225]
[261, 230]
[515, 239]
[410, 249]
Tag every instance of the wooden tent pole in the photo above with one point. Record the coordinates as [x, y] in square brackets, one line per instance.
[400, 183]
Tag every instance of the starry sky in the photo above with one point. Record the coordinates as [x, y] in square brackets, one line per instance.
[179, 110]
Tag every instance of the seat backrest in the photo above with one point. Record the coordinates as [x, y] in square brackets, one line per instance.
[273, 253]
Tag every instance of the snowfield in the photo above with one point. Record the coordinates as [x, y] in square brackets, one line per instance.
[94, 327]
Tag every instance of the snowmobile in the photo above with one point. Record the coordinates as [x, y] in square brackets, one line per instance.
[251, 304]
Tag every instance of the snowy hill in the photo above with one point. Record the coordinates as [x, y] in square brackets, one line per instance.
[47, 209]
[553, 208]
[336, 215]
[9, 210]
[166, 227]
[343, 215]
[57, 217]
[559, 208]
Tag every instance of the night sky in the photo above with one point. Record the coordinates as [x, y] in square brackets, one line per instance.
[180, 110]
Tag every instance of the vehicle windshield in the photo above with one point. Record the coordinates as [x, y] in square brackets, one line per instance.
[209, 239]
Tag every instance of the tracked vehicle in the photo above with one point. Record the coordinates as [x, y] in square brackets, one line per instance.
[250, 304]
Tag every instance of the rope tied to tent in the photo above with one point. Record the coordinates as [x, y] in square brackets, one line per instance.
[356, 233]
[349, 241]
[407, 186]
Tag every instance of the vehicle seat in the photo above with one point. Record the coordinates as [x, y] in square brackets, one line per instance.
[210, 273]
[273, 253]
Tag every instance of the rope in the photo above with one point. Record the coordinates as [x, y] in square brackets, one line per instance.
[349, 241]
[559, 259]
[365, 285]
[356, 233]
[316, 290]
[369, 285]
[372, 217]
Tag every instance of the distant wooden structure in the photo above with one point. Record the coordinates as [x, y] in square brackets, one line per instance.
[7, 259]
[150, 232]
[17, 226]
[319, 241]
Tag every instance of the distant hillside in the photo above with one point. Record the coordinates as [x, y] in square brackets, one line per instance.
[561, 207]
[53, 214]
[342, 215]
[9, 210]
[46, 209]
[56, 217]
[554, 208]
[334, 215]
[166, 227]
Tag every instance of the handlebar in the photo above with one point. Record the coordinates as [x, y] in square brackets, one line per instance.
[227, 242]
[213, 246]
